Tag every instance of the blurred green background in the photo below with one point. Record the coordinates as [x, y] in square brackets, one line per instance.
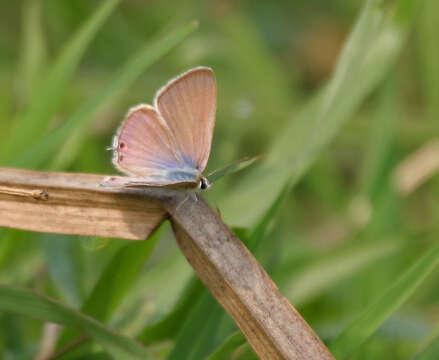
[338, 96]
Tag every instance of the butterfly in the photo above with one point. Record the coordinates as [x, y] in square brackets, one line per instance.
[168, 144]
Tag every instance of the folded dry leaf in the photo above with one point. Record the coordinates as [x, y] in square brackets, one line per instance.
[70, 203]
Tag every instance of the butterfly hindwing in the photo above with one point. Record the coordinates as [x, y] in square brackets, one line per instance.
[144, 150]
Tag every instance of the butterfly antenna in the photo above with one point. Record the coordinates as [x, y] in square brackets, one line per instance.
[236, 162]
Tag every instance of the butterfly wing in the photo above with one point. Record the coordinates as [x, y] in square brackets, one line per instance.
[188, 104]
[144, 149]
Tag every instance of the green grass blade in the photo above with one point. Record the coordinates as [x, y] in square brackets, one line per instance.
[430, 352]
[371, 49]
[33, 55]
[28, 303]
[65, 266]
[77, 122]
[431, 341]
[226, 350]
[427, 36]
[168, 327]
[316, 278]
[6, 112]
[231, 168]
[118, 277]
[264, 228]
[383, 132]
[36, 118]
[13, 339]
[115, 281]
[374, 316]
[198, 335]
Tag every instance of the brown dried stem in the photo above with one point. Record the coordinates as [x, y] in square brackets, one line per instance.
[74, 203]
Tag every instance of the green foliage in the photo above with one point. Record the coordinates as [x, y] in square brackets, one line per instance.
[430, 352]
[198, 335]
[320, 275]
[334, 96]
[76, 124]
[115, 282]
[25, 302]
[370, 320]
[369, 52]
[48, 98]
[170, 326]
[226, 350]
[33, 51]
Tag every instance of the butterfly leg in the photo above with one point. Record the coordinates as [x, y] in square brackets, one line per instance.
[182, 202]
[194, 196]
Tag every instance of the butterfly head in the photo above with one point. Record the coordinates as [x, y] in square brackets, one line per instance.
[204, 184]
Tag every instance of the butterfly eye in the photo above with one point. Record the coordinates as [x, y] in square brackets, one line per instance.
[122, 146]
[204, 183]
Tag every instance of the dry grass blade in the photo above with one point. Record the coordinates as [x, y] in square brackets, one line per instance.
[74, 204]
[272, 326]
[417, 168]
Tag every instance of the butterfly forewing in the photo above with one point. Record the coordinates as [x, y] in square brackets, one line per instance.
[187, 104]
[143, 148]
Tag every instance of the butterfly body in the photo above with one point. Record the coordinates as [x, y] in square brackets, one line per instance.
[168, 145]
[135, 182]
